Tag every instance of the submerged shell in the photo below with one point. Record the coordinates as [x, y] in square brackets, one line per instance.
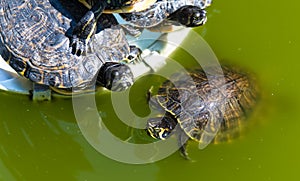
[33, 41]
[207, 104]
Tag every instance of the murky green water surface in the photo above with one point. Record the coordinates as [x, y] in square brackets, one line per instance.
[42, 141]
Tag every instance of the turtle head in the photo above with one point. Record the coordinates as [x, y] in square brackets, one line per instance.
[189, 16]
[160, 127]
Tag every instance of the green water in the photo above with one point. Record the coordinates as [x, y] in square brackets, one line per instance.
[41, 141]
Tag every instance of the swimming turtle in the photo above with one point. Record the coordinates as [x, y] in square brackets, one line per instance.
[164, 14]
[86, 26]
[202, 107]
[33, 41]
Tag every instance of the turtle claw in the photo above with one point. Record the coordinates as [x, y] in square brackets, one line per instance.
[183, 141]
[184, 153]
[82, 33]
[122, 78]
[78, 46]
[134, 55]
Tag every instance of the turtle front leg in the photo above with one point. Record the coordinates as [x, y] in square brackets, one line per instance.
[118, 76]
[86, 28]
[182, 143]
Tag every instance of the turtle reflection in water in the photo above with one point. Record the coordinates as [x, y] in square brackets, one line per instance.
[202, 107]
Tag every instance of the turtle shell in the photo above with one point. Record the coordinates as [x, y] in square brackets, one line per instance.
[205, 104]
[155, 16]
[33, 41]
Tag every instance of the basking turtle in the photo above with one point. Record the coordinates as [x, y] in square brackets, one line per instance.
[33, 41]
[86, 27]
[202, 107]
[164, 14]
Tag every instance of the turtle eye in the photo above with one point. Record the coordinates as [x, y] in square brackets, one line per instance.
[160, 128]
[165, 134]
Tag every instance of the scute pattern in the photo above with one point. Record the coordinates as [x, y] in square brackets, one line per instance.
[33, 41]
[159, 11]
[203, 105]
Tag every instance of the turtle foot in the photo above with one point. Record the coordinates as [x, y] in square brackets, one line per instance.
[82, 33]
[78, 46]
[115, 76]
[134, 55]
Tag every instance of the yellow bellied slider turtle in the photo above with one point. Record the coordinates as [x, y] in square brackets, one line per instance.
[164, 14]
[202, 107]
[33, 41]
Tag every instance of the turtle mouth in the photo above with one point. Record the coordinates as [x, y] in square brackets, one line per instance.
[151, 132]
[151, 128]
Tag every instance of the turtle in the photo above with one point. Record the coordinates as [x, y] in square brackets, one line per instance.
[33, 41]
[203, 107]
[164, 14]
[86, 26]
